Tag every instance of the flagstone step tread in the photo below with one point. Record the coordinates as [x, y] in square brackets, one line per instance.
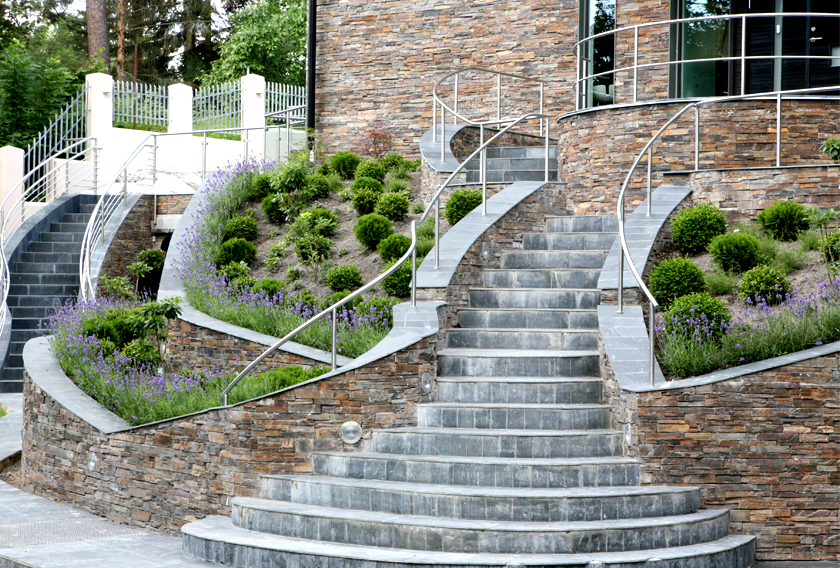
[531, 353]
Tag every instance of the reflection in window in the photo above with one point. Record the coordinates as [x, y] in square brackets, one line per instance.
[704, 40]
[598, 17]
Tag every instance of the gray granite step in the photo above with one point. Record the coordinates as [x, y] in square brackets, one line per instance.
[517, 390]
[512, 175]
[481, 503]
[517, 362]
[416, 532]
[215, 539]
[582, 224]
[501, 338]
[568, 241]
[528, 319]
[545, 298]
[470, 471]
[521, 151]
[542, 278]
[513, 416]
[553, 259]
[499, 443]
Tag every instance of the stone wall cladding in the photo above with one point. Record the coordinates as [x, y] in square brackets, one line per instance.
[172, 204]
[166, 474]
[134, 236]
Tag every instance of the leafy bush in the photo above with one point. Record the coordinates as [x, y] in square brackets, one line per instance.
[271, 208]
[790, 260]
[377, 139]
[401, 172]
[764, 283]
[371, 169]
[673, 278]
[238, 274]
[274, 257]
[830, 247]
[325, 169]
[398, 283]
[336, 296]
[282, 207]
[424, 246]
[831, 148]
[395, 186]
[319, 186]
[694, 228]
[720, 283]
[155, 258]
[260, 187]
[241, 228]
[393, 247]
[334, 182]
[318, 221]
[392, 161]
[343, 278]
[365, 200]
[313, 248]
[460, 203]
[371, 229]
[345, 164]
[253, 386]
[697, 314]
[290, 177]
[118, 287]
[394, 206]
[735, 252]
[366, 183]
[418, 208]
[236, 250]
[270, 287]
[142, 352]
[784, 220]
[294, 273]
[809, 240]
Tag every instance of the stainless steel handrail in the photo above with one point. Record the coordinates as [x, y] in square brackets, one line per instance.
[290, 120]
[411, 252]
[499, 121]
[648, 150]
[582, 79]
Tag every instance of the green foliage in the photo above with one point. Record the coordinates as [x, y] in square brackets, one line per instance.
[335, 182]
[401, 172]
[764, 282]
[235, 271]
[393, 247]
[282, 207]
[394, 206]
[267, 37]
[241, 228]
[317, 221]
[270, 287]
[426, 229]
[271, 208]
[809, 240]
[371, 229]
[735, 252]
[236, 250]
[785, 220]
[392, 161]
[290, 177]
[424, 246]
[699, 307]
[398, 283]
[343, 278]
[337, 296]
[254, 386]
[319, 186]
[274, 256]
[830, 247]
[118, 287]
[720, 283]
[418, 208]
[460, 203]
[366, 183]
[260, 187]
[142, 351]
[313, 248]
[294, 273]
[396, 186]
[694, 228]
[831, 148]
[673, 278]
[365, 200]
[325, 169]
[790, 260]
[371, 169]
[155, 258]
[345, 164]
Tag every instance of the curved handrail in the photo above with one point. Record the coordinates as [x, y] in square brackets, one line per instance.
[647, 149]
[412, 252]
[578, 49]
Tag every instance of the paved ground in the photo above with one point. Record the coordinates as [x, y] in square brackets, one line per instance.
[10, 425]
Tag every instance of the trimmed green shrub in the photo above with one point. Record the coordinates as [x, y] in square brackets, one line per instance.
[319, 186]
[365, 200]
[735, 252]
[271, 208]
[325, 169]
[236, 250]
[366, 183]
[371, 229]
[270, 287]
[398, 283]
[313, 248]
[241, 228]
[345, 164]
[694, 228]
[234, 270]
[673, 278]
[142, 351]
[784, 220]
[371, 169]
[261, 187]
[317, 221]
[418, 208]
[393, 247]
[392, 161]
[460, 203]
[342, 278]
[830, 247]
[290, 177]
[763, 283]
[394, 206]
[697, 314]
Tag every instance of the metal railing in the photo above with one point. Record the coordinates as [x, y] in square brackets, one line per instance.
[218, 106]
[454, 109]
[140, 103]
[647, 150]
[331, 312]
[290, 119]
[584, 63]
[279, 96]
[68, 126]
[73, 167]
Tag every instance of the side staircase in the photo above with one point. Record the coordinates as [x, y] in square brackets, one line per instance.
[46, 276]
[516, 463]
[507, 164]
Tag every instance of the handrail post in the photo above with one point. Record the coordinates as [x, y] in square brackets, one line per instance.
[577, 76]
[649, 168]
[542, 100]
[779, 130]
[455, 114]
[743, 54]
[154, 159]
[204, 157]
[547, 150]
[635, 66]
[442, 131]
[437, 233]
[124, 190]
[246, 144]
[652, 354]
[498, 96]
[696, 138]
[482, 161]
[334, 355]
[434, 119]
[414, 267]
[95, 170]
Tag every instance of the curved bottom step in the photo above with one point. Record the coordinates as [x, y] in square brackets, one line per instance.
[215, 539]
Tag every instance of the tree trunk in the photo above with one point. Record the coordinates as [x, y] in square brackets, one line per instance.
[97, 24]
[120, 37]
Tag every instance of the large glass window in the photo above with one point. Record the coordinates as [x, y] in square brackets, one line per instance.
[598, 16]
[708, 39]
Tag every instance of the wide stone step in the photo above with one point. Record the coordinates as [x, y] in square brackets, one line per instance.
[582, 224]
[31, 312]
[516, 390]
[568, 241]
[53, 237]
[517, 363]
[576, 339]
[499, 443]
[64, 291]
[482, 503]
[511, 176]
[513, 416]
[215, 539]
[76, 218]
[44, 278]
[553, 259]
[62, 227]
[45, 267]
[28, 323]
[460, 535]
[52, 257]
[542, 278]
[87, 208]
[26, 301]
[518, 163]
[527, 319]
[547, 298]
[480, 471]
[495, 152]
[40, 246]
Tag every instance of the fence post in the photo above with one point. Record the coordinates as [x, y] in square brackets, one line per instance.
[180, 108]
[253, 112]
[11, 173]
[100, 112]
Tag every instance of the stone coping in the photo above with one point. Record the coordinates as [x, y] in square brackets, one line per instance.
[458, 239]
[411, 324]
[430, 150]
[751, 169]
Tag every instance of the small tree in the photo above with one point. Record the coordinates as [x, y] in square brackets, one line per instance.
[377, 140]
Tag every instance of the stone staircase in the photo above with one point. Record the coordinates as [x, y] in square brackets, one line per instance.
[46, 276]
[514, 163]
[515, 463]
